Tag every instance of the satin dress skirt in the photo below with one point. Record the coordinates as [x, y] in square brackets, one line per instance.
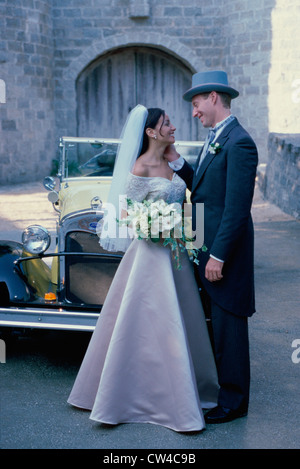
[149, 359]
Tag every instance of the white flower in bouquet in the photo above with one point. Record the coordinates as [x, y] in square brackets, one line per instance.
[137, 219]
[144, 225]
[157, 221]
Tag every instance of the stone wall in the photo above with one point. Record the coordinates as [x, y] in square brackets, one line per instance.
[247, 37]
[45, 45]
[280, 179]
[284, 76]
[234, 35]
[187, 30]
[26, 66]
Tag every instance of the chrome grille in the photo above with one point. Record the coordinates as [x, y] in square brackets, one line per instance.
[88, 278]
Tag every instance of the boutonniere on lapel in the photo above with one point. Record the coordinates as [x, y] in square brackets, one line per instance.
[214, 148]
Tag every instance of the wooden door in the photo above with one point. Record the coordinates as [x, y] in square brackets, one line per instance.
[112, 85]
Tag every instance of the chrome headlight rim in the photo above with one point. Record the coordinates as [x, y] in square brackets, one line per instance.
[36, 239]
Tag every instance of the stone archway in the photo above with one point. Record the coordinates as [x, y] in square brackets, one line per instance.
[119, 80]
[171, 46]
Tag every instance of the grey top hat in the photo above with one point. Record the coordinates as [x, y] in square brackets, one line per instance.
[204, 82]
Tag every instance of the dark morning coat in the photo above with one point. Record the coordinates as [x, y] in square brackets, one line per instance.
[225, 184]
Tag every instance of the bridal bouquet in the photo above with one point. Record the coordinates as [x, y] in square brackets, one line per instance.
[158, 221]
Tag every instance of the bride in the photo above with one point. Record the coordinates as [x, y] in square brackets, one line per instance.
[149, 359]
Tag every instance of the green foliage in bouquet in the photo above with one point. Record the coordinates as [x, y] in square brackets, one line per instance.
[158, 221]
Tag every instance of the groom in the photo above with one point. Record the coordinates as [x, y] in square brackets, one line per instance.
[223, 179]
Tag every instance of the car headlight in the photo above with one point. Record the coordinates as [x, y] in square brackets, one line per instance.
[36, 239]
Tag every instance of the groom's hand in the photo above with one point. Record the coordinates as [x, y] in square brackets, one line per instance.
[213, 270]
[171, 154]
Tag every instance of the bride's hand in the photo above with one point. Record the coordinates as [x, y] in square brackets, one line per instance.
[170, 153]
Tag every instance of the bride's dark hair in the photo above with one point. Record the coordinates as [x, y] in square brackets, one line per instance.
[153, 117]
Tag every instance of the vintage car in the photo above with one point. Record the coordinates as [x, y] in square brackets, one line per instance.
[65, 287]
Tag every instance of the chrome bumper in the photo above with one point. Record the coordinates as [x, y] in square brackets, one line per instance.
[43, 318]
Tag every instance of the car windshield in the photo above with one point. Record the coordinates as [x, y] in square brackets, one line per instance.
[80, 157]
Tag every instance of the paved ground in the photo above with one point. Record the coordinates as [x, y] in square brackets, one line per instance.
[37, 377]
[22, 205]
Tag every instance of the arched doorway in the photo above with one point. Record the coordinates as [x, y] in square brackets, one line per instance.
[114, 83]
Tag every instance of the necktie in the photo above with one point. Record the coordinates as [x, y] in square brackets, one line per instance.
[211, 135]
[209, 139]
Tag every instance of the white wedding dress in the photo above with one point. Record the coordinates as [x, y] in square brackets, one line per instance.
[149, 359]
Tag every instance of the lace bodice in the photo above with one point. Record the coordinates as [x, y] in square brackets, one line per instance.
[140, 188]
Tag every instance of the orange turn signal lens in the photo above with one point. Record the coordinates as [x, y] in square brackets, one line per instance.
[50, 296]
